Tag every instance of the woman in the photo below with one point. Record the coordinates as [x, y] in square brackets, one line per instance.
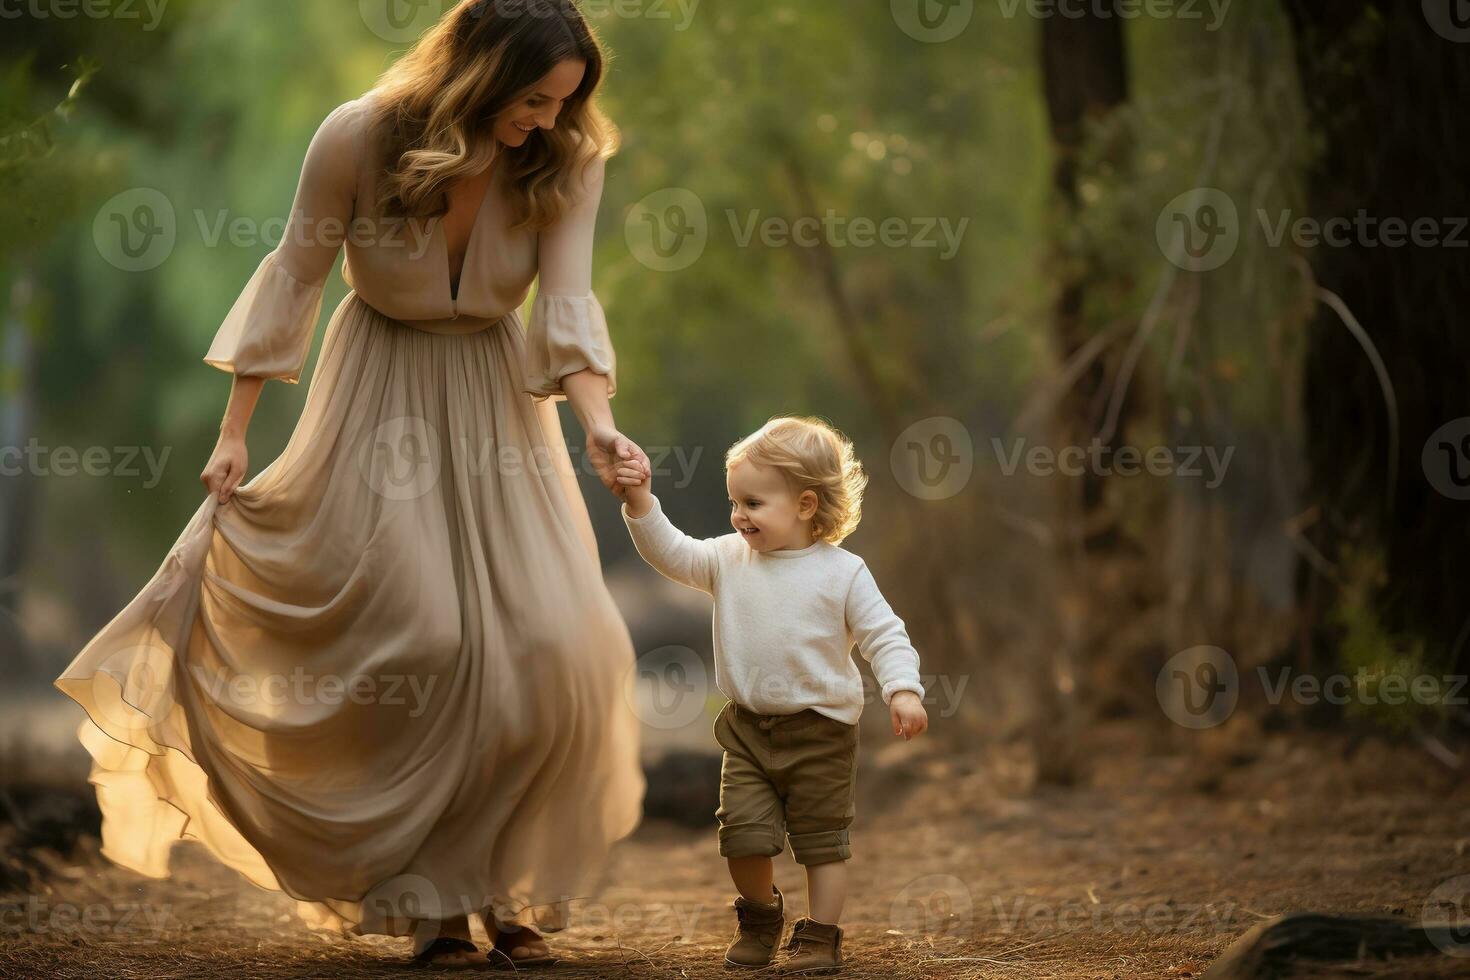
[384, 676]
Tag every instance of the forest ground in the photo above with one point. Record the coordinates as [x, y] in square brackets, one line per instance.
[1150, 867]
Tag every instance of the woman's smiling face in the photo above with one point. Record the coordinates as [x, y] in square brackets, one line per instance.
[539, 106]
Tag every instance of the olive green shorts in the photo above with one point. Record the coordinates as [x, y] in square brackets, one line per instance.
[786, 778]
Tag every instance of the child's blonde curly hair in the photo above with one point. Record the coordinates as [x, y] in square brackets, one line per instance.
[813, 456]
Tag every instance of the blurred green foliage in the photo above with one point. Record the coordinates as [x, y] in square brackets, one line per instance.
[214, 109]
[758, 109]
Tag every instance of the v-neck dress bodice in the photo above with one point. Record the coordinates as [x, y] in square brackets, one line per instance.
[480, 194]
[400, 267]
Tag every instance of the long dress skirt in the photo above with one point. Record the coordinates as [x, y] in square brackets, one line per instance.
[387, 676]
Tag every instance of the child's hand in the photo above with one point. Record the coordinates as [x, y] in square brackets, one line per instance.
[607, 449]
[908, 715]
[639, 487]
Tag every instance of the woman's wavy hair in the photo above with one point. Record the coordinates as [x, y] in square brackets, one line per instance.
[813, 456]
[435, 107]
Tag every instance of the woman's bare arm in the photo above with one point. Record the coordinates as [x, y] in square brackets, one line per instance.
[606, 446]
[244, 394]
[230, 460]
[587, 392]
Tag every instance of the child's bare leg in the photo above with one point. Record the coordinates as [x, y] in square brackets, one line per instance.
[826, 890]
[753, 877]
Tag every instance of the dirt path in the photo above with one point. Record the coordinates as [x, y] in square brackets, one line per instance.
[1149, 871]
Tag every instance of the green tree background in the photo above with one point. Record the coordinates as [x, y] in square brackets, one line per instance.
[762, 108]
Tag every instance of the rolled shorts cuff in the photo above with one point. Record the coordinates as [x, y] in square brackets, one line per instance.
[821, 847]
[749, 840]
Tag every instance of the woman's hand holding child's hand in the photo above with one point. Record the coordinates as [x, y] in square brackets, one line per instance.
[607, 450]
[637, 485]
[907, 713]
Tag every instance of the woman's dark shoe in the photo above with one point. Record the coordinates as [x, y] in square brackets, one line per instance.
[519, 948]
[447, 951]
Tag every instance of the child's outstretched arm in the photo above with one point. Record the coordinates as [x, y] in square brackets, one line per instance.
[675, 555]
[884, 643]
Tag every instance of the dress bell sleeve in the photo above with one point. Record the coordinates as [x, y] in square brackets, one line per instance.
[268, 331]
[568, 329]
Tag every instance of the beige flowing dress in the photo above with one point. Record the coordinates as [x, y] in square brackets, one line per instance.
[386, 676]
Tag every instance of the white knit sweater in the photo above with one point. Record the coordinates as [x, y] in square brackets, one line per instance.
[785, 621]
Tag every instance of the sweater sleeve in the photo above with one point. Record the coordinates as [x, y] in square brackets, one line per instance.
[881, 637]
[673, 554]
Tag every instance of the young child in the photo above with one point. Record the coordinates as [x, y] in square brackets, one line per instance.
[789, 604]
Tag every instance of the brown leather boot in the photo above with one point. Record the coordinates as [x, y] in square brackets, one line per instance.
[815, 947]
[758, 933]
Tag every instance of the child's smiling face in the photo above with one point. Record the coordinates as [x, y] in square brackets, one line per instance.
[765, 510]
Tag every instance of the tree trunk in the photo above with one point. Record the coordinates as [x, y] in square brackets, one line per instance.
[17, 499]
[1084, 68]
[1386, 89]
